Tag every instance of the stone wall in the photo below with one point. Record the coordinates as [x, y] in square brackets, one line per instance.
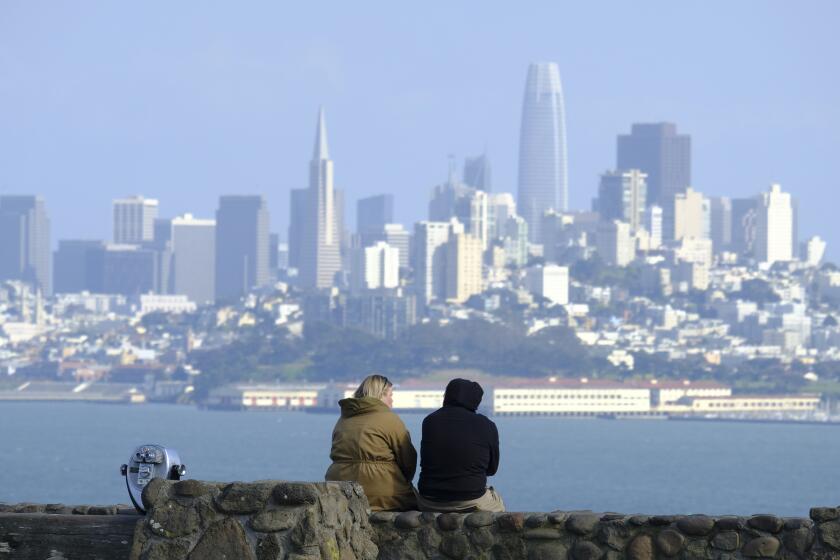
[330, 520]
[590, 536]
[254, 521]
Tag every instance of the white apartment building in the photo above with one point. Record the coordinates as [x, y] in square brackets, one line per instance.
[430, 239]
[374, 267]
[615, 243]
[153, 303]
[463, 267]
[689, 215]
[550, 282]
[774, 226]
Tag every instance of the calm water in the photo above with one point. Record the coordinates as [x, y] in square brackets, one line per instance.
[71, 453]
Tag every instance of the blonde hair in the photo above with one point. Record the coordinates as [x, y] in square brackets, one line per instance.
[373, 386]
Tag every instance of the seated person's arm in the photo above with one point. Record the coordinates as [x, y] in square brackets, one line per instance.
[494, 450]
[405, 454]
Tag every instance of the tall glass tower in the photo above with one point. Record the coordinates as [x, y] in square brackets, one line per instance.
[543, 175]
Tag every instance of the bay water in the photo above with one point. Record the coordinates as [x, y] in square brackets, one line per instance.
[71, 453]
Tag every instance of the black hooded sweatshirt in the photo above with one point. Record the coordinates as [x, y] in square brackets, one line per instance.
[460, 448]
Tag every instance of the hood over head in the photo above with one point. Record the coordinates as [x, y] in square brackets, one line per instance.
[355, 406]
[463, 393]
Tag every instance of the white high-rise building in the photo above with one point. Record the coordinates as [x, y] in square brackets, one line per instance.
[500, 208]
[622, 195]
[543, 169]
[374, 267]
[774, 226]
[688, 215]
[320, 256]
[134, 220]
[813, 251]
[549, 281]
[615, 243]
[430, 239]
[397, 236]
[463, 267]
[194, 258]
[653, 223]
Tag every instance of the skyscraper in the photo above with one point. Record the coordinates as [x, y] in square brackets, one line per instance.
[721, 222]
[242, 230]
[134, 220]
[374, 267]
[657, 149]
[615, 244]
[25, 241]
[70, 265]
[477, 173]
[430, 239]
[297, 217]
[320, 256]
[622, 196]
[372, 213]
[543, 173]
[463, 267]
[774, 226]
[194, 258]
[685, 216]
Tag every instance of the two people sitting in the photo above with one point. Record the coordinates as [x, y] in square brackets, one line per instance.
[458, 451]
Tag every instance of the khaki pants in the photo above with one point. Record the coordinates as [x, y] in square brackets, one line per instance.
[490, 501]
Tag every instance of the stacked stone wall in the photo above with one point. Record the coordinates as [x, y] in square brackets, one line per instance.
[609, 536]
[278, 520]
[268, 520]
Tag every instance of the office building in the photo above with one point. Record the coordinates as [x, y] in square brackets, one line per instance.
[813, 250]
[720, 222]
[70, 265]
[25, 252]
[242, 241]
[687, 216]
[615, 243]
[477, 173]
[543, 172]
[430, 239]
[128, 270]
[774, 226]
[744, 217]
[372, 213]
[322, 226]
[550, 282]
[653, 223]
[374, 267]
[297, 215]
[500, 207]
[397, 236]
[194, 258]
[662, 154]
[463, 267]
[134, 220]
[622, 196]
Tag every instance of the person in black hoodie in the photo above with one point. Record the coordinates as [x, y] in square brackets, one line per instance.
[459, 450]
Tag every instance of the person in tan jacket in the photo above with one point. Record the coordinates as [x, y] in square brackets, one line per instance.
[371, 445]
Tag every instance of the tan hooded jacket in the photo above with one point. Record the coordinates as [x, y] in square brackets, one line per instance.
[371, 445]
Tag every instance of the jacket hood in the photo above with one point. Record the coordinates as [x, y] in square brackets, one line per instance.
[354, 406]
[463, 393]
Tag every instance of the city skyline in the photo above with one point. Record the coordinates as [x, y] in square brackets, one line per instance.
[222, 111]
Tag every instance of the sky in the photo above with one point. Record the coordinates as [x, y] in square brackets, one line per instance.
[186, 101]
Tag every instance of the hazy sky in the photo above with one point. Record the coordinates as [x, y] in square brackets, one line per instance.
[185, 101]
